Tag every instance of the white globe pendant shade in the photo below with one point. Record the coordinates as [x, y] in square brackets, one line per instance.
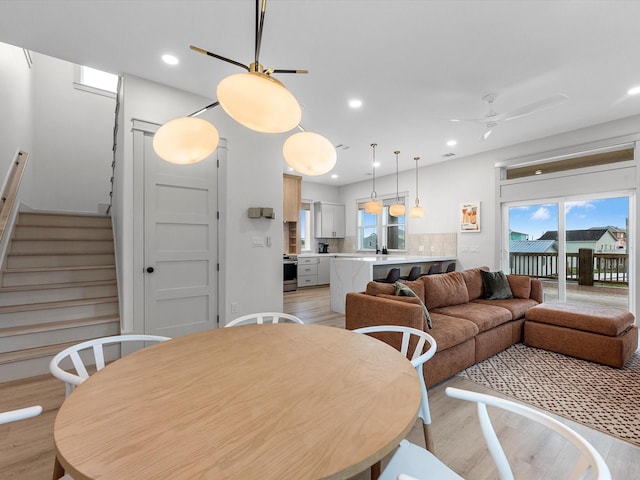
[259, 102]
[309, 153]
[416, 212]
[185, 140]
[373, 207]
[396, 210]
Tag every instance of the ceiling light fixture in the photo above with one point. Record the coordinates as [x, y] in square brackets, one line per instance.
[257, 101]
[169, 59]
[355, 103]
[451, 143]
[373, 206]
[634, 90]
[417, 211]
[397, 209]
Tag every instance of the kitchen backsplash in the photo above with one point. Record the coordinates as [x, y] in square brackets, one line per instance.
[443, 244]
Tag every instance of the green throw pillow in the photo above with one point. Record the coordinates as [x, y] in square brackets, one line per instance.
[495, 285]
[403, 290]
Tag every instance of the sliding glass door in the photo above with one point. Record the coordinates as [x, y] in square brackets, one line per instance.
[578, 246]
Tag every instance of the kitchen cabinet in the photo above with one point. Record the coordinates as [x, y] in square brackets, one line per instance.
[291, 197]
[307, 271]
[329, 220]
[324, 268]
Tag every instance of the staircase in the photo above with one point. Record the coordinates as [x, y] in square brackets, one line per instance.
[57, 288]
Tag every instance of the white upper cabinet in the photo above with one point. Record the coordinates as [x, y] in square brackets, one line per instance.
[329, 220]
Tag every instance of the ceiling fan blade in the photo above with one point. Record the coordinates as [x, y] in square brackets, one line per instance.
[549, 102]
[219, 57]
[279, 70]
[486, 134]
[472, 120]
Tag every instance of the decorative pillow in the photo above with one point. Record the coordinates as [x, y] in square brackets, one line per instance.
[495, 285]
[403, 290]
[444, 290]
[520, 285]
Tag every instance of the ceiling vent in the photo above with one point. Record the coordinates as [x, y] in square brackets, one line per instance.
[450, 154]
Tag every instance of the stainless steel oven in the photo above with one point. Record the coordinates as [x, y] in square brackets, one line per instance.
[290, 273]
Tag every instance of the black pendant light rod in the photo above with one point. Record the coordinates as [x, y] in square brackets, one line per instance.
[219, 57]
[260, 11]
[202, 110]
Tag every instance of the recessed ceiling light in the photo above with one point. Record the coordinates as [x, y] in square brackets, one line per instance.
[355, 103]
[634, 90]
[169, 59]
[452, 143]
[376, 164]
[334, 176]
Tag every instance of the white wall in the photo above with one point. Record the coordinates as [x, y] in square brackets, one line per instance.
[16, 113]
[73, 141]
[250, 277]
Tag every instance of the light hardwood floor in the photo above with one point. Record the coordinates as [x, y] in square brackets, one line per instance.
[26, 447]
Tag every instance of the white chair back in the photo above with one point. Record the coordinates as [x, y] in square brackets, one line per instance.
[96, 356]
[264, 317]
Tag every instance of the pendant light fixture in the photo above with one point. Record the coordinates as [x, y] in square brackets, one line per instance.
[397, 209]
[373, 206]
[309, 153]
[417, 211]
[255, 100]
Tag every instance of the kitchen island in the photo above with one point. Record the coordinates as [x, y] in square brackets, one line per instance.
[351, 274]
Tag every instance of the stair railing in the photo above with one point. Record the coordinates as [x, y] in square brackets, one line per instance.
[10, 191]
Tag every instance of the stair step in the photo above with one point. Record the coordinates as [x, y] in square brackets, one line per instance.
[66, 260]
[34, 232]
[15, 315]
[51, 275]
[63, 220]
[40, 247]
[49, 305]
[24, 294]
[31, 336]
[37, 352]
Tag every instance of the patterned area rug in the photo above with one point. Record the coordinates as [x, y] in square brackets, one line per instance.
[594, 395]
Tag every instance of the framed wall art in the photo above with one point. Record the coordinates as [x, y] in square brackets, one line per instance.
[470, 217]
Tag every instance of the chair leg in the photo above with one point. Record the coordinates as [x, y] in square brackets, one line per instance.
[375, 471]
[58, 470]
[428, 437]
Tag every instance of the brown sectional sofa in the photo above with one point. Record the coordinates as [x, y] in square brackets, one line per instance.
[467, 327]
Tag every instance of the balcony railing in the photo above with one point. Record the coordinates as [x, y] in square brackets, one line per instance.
[607, 267]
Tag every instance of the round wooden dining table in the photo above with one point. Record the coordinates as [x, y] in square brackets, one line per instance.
[283, 401]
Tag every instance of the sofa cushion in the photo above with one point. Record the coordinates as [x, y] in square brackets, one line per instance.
[376, 288]
[520, 285]
[473, 280]
[483, 315]
[451, 331]
[403, 290]
[517, 306]
[495, 285]
[444, 289]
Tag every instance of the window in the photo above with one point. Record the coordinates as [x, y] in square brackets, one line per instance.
[96, 81]
[384, 230]
[305, 227]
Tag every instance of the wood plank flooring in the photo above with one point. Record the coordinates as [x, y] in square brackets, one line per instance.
[26, 447]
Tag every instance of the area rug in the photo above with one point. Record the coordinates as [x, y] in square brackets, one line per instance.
[600, 397]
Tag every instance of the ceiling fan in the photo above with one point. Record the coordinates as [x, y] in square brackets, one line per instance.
[492, 119]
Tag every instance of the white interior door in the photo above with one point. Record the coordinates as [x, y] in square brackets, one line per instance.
[180, 239]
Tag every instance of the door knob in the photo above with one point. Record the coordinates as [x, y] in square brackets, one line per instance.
[150, 270]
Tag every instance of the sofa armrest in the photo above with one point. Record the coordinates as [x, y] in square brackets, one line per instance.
[367, 310]
[537, 292]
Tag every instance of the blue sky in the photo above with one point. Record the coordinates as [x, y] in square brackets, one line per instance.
[537, 219]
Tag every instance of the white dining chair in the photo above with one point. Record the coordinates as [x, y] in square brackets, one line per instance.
[20, 414]
[93, 351]
[264, 317]
[418, 358]
[411, 462]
